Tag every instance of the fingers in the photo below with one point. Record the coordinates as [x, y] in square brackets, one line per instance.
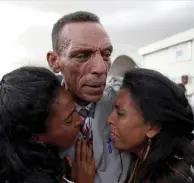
[69, 161]
[84, 150]
[90, 154]
[78, 151]
[84, 163]
[81, 151]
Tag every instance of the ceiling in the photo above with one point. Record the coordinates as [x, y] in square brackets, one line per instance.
[26, 25]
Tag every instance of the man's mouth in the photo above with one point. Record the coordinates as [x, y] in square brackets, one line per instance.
[96, 86]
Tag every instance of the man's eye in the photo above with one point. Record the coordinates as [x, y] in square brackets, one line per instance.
[106, 55]
[85, 55]
[80, 55]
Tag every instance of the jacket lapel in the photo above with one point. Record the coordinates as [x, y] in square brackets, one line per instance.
[102, 110]
[99, 124]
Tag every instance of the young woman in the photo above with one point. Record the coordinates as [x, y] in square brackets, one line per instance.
[152, 119]
[37, 117]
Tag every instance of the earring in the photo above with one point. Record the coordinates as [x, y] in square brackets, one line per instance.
[147, 149]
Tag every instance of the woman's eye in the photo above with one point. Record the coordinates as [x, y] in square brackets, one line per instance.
[120, 113]
[68, 121]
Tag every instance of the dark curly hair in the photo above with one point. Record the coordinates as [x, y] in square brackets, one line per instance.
[26, 95]
[164, 105]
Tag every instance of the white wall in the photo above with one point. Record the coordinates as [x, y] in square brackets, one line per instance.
[126, 49]
[173, 56]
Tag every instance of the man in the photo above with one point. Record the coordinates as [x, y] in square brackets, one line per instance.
[81, 52]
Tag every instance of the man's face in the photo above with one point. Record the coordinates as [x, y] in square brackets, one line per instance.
[84, 59]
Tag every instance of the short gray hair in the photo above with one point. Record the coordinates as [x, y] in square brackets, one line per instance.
[78, 16]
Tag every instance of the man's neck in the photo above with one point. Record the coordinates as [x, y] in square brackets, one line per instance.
[76, 99]
[80, 102]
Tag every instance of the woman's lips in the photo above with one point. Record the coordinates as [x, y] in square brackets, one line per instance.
[113, 136]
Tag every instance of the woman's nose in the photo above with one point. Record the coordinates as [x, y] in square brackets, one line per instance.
[110, 118]
[78, 120]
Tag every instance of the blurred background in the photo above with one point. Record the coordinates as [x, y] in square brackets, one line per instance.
[151, 34]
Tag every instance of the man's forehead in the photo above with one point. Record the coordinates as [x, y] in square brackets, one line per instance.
[77, 45]
[85, 34]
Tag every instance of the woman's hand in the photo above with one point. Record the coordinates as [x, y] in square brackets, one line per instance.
[84, 163]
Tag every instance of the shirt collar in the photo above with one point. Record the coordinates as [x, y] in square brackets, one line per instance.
[88, 107]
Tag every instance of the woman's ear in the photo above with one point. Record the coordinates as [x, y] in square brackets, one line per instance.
[153, 131]
[42, 138]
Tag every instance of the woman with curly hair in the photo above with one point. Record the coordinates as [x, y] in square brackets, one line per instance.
[38, 117]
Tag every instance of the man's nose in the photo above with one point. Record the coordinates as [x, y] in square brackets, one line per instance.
[100, 67]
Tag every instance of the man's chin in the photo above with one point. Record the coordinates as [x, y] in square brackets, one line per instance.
[92, 94]
[92, 98]
[84, 98]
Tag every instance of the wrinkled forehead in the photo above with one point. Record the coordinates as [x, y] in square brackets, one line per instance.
[84, 34]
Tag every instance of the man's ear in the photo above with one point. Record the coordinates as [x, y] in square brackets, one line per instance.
[153, 131]
[52, 60]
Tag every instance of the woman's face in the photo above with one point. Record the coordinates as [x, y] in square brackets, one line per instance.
[128, 130]
[63, 123]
